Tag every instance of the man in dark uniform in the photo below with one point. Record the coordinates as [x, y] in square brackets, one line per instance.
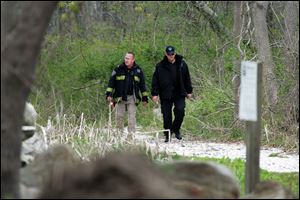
[172, 83]
[127, 88]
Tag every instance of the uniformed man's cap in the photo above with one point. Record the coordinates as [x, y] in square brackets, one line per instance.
[170, 50]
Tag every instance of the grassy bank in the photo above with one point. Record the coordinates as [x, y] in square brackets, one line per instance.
[289, 180]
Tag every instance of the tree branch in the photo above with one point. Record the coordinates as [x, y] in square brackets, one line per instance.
[212, 17]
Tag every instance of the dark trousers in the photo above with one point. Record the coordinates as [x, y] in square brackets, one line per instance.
[166, 109]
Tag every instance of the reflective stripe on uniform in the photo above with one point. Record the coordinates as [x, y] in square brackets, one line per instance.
[120, 78]
[145, 94]
[136, 78]
[109, 89]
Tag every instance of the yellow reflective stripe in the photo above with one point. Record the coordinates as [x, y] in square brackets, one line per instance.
[136, 78]
[145, 94]
[109, 89]
[120, 78]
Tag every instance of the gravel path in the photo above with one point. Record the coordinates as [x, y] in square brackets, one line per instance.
[271, 159]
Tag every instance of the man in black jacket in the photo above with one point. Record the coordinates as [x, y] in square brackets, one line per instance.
[125, 85]
[172, 83]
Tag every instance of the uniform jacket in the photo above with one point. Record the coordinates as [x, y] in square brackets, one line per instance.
[162, 83]
[118, 82]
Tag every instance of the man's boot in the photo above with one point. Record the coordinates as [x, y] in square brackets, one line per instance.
[178, 135]
[167, 137]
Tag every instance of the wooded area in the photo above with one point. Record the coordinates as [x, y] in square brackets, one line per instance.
[90, 38]
[85, 40]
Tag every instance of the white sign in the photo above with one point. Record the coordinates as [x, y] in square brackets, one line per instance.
[248, 91]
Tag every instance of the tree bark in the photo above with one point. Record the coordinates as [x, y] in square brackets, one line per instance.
[291, 58]
[23, 25]
[264, 52]
[237, 34]
[291, 35]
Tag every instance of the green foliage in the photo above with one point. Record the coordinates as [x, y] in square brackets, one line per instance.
[78, 73]
[210, 115]
[146, 118]
[61, 4]
[73, 6]
[230, 56]
[237, 166]
[75, 65]
[78, 64]
[289, 180]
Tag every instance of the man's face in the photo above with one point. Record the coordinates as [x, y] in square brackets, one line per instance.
[171, 56]
[129, 60]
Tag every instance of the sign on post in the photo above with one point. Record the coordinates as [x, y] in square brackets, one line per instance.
[250, 111]
[248, 95]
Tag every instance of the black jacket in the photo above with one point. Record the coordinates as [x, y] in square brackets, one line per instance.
[162, 83]
[117, 85]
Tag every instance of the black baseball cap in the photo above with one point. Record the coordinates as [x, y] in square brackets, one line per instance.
[170, 49]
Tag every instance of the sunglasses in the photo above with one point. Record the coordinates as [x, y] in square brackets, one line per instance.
[170, 54]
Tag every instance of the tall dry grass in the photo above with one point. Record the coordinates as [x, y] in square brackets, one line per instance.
[94, 140]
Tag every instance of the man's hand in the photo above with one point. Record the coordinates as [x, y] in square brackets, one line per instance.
[189, 96]
[155, 99]
[145, 103]
[109, 99]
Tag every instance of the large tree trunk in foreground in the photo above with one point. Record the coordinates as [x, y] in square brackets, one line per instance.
[23, 25]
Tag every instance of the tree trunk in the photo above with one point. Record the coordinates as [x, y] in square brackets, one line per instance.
[291, 58]
[291, 35]
[22, 27]
[237, 34]
[264, 53]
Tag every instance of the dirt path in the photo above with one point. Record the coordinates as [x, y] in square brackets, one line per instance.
[271, 159]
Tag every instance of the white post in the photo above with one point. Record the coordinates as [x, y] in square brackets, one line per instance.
[250, 111]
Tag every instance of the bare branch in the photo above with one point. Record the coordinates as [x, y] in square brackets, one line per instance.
[212, 17]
